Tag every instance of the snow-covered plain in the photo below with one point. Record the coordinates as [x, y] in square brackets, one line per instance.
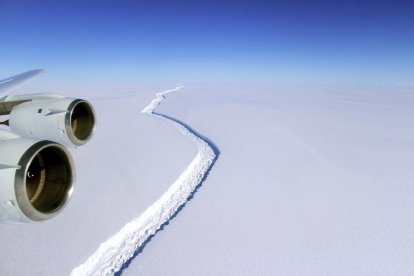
[309, 181]
[112, 254]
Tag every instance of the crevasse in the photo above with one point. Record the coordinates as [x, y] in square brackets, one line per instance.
[119, 248]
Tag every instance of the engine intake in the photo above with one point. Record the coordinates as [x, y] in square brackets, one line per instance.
[41, 183]
[44, 179]
[80, 122]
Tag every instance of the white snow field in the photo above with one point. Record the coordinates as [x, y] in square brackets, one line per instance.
[308, 181]
[112, 254]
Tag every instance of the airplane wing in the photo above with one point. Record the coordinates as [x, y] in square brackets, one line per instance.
[9, 84]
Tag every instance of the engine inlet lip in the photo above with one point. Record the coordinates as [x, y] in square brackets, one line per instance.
[20, 182]
[68, 126]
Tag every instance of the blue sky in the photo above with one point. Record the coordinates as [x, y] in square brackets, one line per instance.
[255, 41]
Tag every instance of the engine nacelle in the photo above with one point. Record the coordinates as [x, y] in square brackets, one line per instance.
[67, 121]
[36, 180]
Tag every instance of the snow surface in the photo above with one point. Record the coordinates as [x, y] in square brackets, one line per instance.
[112, 254]
[310, 181]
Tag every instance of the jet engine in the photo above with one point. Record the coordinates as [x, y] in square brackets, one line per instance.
[68, 121]
[36, 179]
[37, 172]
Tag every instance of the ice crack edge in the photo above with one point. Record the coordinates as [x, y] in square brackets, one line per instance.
[117, 250]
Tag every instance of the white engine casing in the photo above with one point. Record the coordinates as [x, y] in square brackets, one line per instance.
[54, 120]
[23, 199]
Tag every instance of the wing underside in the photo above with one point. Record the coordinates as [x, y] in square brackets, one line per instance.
[9, 84]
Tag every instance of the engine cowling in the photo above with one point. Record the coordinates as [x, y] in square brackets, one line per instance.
[67, 121]
[36, 180]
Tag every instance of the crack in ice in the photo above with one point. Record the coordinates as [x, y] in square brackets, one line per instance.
[120, 248]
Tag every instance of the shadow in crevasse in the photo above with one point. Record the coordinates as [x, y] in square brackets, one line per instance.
[216, 150]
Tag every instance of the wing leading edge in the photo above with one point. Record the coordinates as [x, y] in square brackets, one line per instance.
[9, 84]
